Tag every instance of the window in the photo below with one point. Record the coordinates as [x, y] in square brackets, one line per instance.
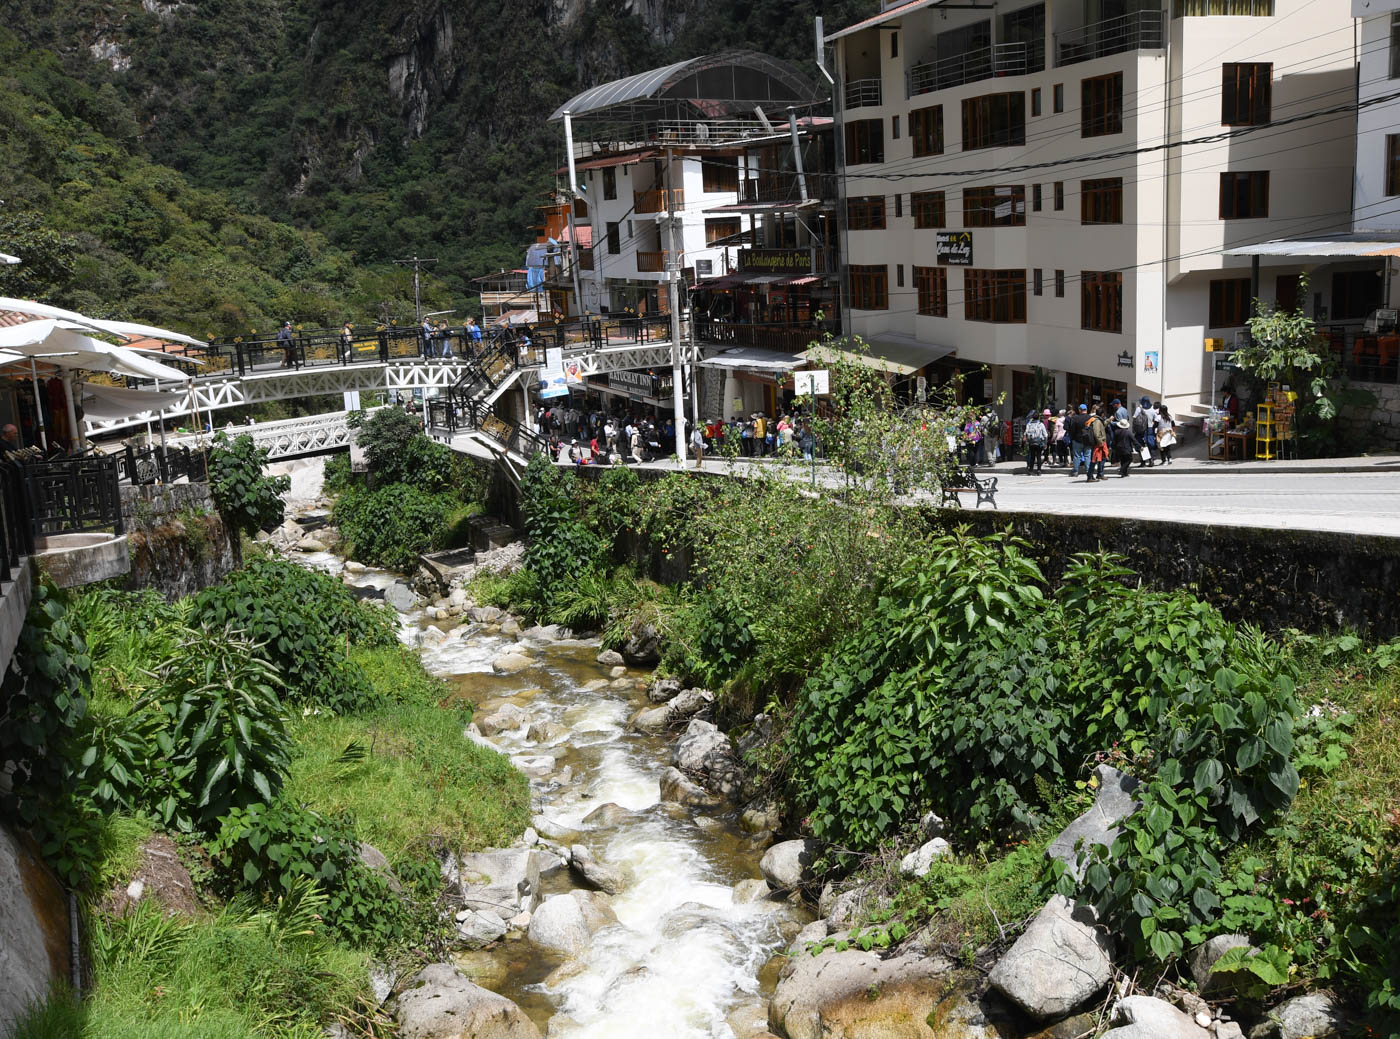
[899, 275]
[998, 296]
[580, 209]
[614, 239]
[1246, 93]
[1286, 292]
[1101, 105]
[722, 227]
[894, 127]
[865, 213]
[1395, 45]
[1037, 284]
[1392, 164]
[929, 208]
[1035, 197]
[1101, 301]
[1195, 8]
[932, 284]
[1058, 97]
[1229, 303]
[870, 287]
[1035, 101]
[1000, 206]
[865, 141]
[610, 183]
[1355, 294]
[894, 45]
[1059, 195]
[719, 175]
[994, 120]
[926, 128]
[1244, 195]
[1060, 284]
[899, 205]
[1101, 201]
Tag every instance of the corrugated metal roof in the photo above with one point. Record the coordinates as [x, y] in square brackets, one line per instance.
[883, 16]
[1346, 243]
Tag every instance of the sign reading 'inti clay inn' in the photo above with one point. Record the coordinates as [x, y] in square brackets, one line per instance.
[776, 261]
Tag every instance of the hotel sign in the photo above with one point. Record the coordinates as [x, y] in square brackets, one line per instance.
[643, 383]
[776, 261]
[954, 248]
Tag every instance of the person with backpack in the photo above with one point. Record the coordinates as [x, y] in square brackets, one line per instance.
[1125, 443]
[1144, 427]
[697, 444]
[1081, 441]
[1059, 439]
[1035, 437]
[1098, 435]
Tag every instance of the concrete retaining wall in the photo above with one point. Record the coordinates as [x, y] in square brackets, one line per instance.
[34, 936]
[178, 542]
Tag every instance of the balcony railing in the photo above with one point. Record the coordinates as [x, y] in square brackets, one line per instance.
[152, 464]
[999, 59]
[16, 534]
[654, 201]
[784, 187]
[1128, 32]
[72, 496]
[785, 338]
[651, 262]
[863, 93]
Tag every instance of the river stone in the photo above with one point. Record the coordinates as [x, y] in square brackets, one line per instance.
[654, 720]
[559, 926]
[509, 663]
[546, 633]
[476, 929]
[439, 1003]
[664, 690]
[597, 914]
[502, 881]
[854, 994]
[400, 597]
[473, 733]
[510, 628]
[812, 933]
[622, 683]
[848, 907]
[1060, 961]
[1146, 1017]
[706, 752]
[617, 672]
[918, 862]
[552, 828]
[642, 646]
[352, 567]
[762, 816]
[550, 863]
[1113, 803]
[750, 1021]
[608, 815]
[788, 864]
[594, 873]
[310, 545]
[931, 825]
[610, 658]
[1204, 957]
[747, 891]
[546, 732]
[689, 702]
[675, 787]
[503, 719]
[1317, 1014]
[486, 614]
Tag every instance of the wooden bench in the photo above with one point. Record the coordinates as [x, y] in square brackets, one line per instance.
[964, 481]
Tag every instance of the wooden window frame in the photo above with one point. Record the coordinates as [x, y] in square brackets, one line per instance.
[1036, 199]
[1101, 105]
[994, 296]
[610, 183]
[980, 205]
[870, 286]
[719, 175]
[1035, 102]
[1059, 196]
[1230, 303]
[899, 205]
[1246, 93]
[1392, 163]
[613, 233]
[865, 142]
[981, 115]
[1057, 97]
[865, 213]
[1101, 301]
[899, 275]
[1101, 201]
[929, 208]
[932, 286]
[926, 130]
[1059, 284]
[1037, 282]
[894, 127]
[714, 224]
[1248, 186]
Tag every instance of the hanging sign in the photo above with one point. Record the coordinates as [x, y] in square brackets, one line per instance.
[954, 248]
[552, 380]
[812, 384]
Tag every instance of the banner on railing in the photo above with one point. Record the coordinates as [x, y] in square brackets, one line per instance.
[553, 382]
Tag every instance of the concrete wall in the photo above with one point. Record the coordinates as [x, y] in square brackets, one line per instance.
[34, 936]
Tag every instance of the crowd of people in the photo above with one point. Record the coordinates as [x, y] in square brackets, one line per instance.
[1083, 439]
[594, 437]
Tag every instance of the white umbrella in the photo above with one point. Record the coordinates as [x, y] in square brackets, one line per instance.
[117, 402]
[7, 258]
[131, 330]
[47, 341]
[28, 306]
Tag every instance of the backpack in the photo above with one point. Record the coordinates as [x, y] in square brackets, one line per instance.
[1080, 432]
[1035, 433]
[1141, 425]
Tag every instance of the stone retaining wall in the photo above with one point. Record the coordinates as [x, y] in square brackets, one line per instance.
[1378, 426]
[178, 541]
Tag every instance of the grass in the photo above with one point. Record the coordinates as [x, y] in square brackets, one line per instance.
[119, 850]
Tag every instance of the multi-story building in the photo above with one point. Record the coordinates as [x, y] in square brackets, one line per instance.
[1048, 191]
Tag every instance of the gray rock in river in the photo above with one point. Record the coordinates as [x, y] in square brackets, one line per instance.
[1113, 803]
[1145, 1017]
[565, 923]
[610, 658]
[1317, 1014]
[594, 873]
[1060, 961]
[788, 864]
[854, 993]
[440, 1003]
[477, 929]
[506, 717]
[747, 891]
[678, 789]
[400, 597]
[642, 646]
[705, 752]
[687, 704]
[503, 881]
[608, 815]
[664, 690]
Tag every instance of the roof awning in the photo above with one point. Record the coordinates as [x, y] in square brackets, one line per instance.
[1354, 244]
[802, 279]
[585, 235]
[882, 17]
[603, 162]
[755, 359]
[111, 403]
[766, 207]
[723, 281]
[888, 352]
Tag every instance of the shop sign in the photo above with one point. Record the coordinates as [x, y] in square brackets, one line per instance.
[954, 248]
[641, 383]
[1225, 362]
[812, 384]
[776, 261]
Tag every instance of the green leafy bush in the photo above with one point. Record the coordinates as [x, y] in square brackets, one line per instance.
[247, 498]
[337, 478]
[397, 451]
[305, 621]
[562, 548]
[392, 525]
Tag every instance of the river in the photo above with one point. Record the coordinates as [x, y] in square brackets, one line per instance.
[685, 954]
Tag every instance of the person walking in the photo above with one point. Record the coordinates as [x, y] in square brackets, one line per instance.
[1098, 434]
[1144, 427]
[1059, 440]
[347, 341]
[697, 444]
[1166, 433]
[284, 342]
[1035, 436]
[1081, 441]
[1125, 443]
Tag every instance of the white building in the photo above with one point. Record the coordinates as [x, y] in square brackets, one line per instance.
[978, 229]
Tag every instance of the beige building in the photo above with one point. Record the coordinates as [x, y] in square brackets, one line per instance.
[1049, 189]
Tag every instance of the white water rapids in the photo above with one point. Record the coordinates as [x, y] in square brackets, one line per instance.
[683, 955]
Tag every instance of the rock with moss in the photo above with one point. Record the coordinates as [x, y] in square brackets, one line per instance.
[440, 1003]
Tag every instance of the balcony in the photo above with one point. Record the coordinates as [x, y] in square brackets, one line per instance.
[999, 59]
[1129, 32]
[651, 262]
[863, 93]
[784, 187]
[654, 201]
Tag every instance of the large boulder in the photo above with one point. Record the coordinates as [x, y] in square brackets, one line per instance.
[788, 864]
[1061, 960]
[440, 1003]
[919, 861]
[594, 873]
[854, 994]
[1204, 958]
[1317, 1014]
[1146, 1017]
[477, 929]
[597, 914]
[676, 788]
[510, 663]
[642, 645]
[400, 597]
[564, 923]
[706, 753]
[685, 705]
[1113, 803]
[503, 719]
[503, 881]
[610, 658]
[664, 690]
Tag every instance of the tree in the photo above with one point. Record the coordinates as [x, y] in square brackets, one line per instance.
[247, 498]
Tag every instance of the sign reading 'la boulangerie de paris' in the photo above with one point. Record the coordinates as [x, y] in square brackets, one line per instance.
[954, 248]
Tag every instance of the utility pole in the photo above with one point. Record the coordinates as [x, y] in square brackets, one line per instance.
[574, 250]
[673, 275]
[417, 265]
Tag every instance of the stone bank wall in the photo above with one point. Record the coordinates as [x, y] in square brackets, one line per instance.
[178, 541]
[1377, 427]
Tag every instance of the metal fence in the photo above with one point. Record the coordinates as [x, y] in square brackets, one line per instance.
[16, 534]
[72, 495]
[152, 464]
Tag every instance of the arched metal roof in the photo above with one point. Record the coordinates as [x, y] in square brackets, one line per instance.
[715, 83]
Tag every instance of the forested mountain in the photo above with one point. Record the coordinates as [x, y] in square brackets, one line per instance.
[295, 147]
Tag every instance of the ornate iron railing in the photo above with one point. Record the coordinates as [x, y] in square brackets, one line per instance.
[72, 495]
[16, 532]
